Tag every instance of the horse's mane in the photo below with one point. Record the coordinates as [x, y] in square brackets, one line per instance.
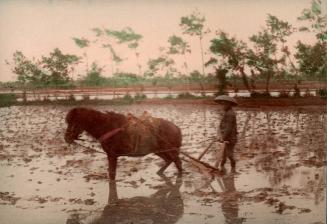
[95, 121]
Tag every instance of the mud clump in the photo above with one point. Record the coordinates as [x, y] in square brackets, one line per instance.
[8, 198]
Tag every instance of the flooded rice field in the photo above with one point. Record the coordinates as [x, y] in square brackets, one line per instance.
[281, 171]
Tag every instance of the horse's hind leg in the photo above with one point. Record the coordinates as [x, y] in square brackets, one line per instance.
[173, 157]
[178, 163]
[167, 160]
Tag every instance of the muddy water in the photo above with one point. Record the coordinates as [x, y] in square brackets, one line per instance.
[281, 171]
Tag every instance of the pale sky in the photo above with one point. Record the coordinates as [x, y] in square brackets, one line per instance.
[37, 27]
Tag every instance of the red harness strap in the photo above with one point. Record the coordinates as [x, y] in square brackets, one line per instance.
[109, 134]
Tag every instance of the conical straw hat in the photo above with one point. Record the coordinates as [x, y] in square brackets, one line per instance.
[225, 98]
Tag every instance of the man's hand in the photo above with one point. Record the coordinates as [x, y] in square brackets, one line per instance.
[221, 140]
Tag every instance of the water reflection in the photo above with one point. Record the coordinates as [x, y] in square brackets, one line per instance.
[230, 199]
[164, 206]
[280, 150]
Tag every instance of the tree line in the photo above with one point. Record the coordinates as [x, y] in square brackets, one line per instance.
[264, 58]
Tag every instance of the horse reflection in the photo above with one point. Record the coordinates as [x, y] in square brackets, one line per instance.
[164, 206]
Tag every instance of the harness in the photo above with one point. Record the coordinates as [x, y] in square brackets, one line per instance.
[110, 134]
[103, 138]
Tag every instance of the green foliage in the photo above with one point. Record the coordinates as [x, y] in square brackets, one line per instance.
[58, 66]
[114, 55]
[278, 28]
[230, 51]
[50, 71]
[162, 66]
[7, 99]
[178, 45]
[81, 42]
[27, 71]
[98, 32]
[312, 60]
[264, 57]
[193, 24]
[318, 22]
[196, 76]
[267, 57]
[264, 42]
[125, 79]
[107, 38]
[126, 35]
[231, 54]
[94, 77]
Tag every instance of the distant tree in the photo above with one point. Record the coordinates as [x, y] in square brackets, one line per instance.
[161, 66]
[312, 58]
[107, 42]
[129, 37]
[196, 76]
[317, 22]
[222, 80]
[94, 77]
[263, 57]
[117, 59]
[59, 66]
[28, 71]
[280, 30]
[193, 25]
[230, 54]
[178, 46]
[83, 43]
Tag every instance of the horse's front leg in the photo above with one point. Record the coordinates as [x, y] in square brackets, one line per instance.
[112, 160]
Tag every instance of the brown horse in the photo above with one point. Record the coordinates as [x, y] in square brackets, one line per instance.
[109, 129]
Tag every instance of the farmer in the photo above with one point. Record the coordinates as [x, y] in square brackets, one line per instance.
[228, 129]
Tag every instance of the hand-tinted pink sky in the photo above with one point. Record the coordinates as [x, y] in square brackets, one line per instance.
[37, 27]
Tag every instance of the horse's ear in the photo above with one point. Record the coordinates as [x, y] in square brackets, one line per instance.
[71, 114]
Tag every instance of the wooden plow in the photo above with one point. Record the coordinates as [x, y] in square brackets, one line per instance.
[203, 165]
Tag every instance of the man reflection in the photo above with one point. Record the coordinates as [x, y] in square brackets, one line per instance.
[230, 196]
[164, 206]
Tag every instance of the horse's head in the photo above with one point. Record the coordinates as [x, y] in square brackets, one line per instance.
[74, 128]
